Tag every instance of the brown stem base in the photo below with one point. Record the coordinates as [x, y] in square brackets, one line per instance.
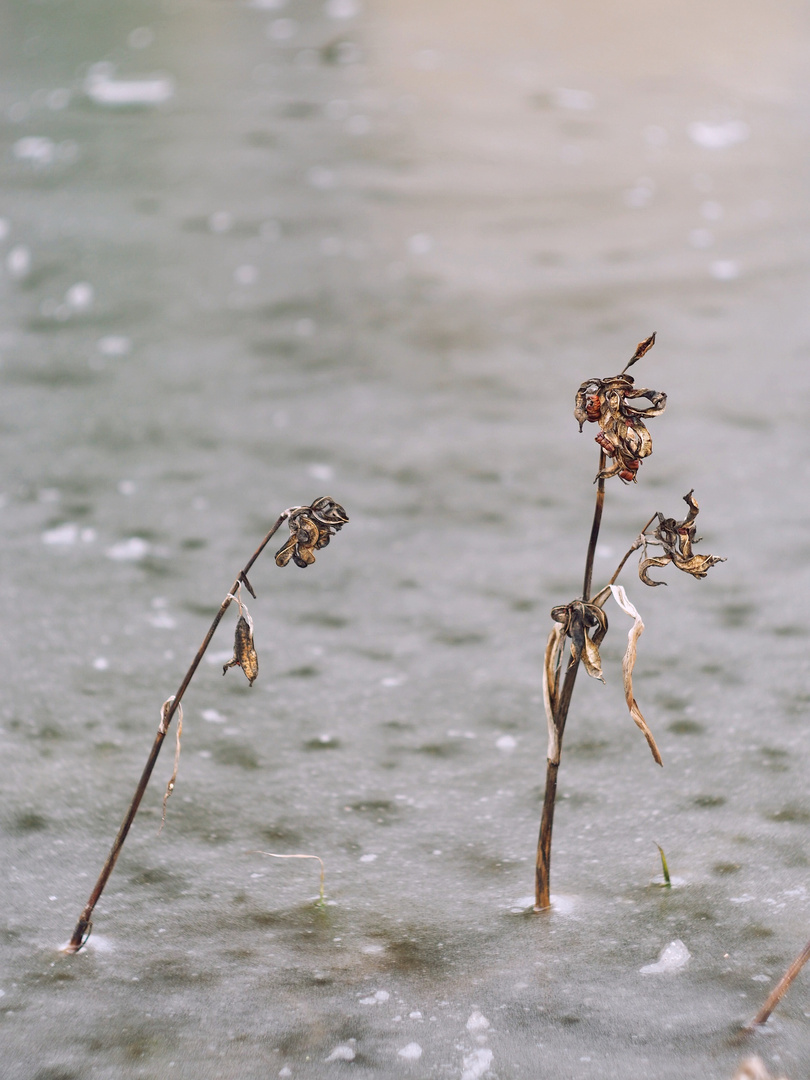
[542, 873]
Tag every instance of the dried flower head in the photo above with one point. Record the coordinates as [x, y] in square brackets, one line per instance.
[311, 528]
[623, 435]
[677, 538]
[244, 653]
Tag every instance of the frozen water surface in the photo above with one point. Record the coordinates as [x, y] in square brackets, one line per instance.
[255, 253]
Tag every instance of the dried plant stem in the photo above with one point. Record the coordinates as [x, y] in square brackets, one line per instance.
[84, 925]
[542, 875]
[634, 547]
[780, 989]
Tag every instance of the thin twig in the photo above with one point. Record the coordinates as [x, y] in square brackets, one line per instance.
[83, 927]
[779, 990]
[542, 875]
[633, 547]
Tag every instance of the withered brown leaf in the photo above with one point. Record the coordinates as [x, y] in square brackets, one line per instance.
[244, 654]
[677, 538]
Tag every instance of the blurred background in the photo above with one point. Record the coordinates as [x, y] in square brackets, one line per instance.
[255, 253]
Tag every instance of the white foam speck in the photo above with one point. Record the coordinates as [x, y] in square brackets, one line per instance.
[368, 858]
[476, 1064]
[282, 29]
[701, 239]
[162, 620]
[372, 950]
[104, 89]
[420, 244]
[565, 98]
[324, 473]
[718, 136]
[341, 1053]
[37, 150]
[415, 1015]
[246, 275]
[377, 998]
[286, 1071]
[132, 550]
[114, 345]
[213, 716]
[477, 1021]
[18, 262]
[80, 296]
[62, 535]
[506, 743]
[101, 663]
[393, 680]
[141, 38]
[341, 9]
[411, 1052]
[672, 958]
[725, 269]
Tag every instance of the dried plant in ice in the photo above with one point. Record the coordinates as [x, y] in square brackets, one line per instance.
[614, 404]
[311, 528]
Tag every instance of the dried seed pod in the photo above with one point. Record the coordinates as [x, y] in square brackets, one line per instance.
[244, 654]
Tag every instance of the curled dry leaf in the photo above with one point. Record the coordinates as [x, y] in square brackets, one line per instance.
[244, 654]
[551, 688]
[677, 538]
[628, 663]
[623, 436]
[311, 528]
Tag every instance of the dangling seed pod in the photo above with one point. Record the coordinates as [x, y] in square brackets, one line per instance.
[310, 530]
[244, 654]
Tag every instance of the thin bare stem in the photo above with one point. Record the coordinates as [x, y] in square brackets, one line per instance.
[597, 521]
[542, 875]
[84, 925]
[779, 990]
[634, 547]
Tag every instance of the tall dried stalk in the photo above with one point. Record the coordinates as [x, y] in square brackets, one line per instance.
[614, 404]
[310, 529]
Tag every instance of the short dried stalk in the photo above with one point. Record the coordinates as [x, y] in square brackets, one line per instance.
[779, 990]
[84, 925]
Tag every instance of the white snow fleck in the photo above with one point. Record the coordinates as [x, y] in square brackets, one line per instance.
[62, 535]
[760, 978]
[411, 1052]
[506, 743]
[718, 136]
[18, 262]
[368, 858]
[565, 98]
[104, 89]
[673, 957]
[342, 9]
[38, 150]
[80, 296]
[114, 345]
[377, 998]
[477, 1021]
[101, 663]
[341, 1053]
[476, 1064]
[420, 244]
[213, 716]
[372, 950]
[132, 550]
[286, 1071]
[324, 473]
[725, 269]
